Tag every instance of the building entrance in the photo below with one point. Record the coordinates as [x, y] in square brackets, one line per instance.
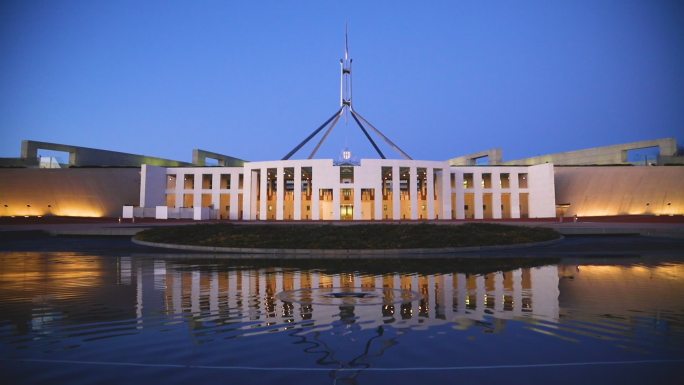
[346, 212]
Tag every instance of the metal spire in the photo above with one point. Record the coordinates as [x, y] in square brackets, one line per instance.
[345, 73]
[345, 108]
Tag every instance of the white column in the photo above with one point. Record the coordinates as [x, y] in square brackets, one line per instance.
[336, 203]
[234, 209]
[396, 203]
[216, 191]
[357, 214]
[280, 193]
[431, 193]
[378, 202]
[460, 196]
[197, 190]
[444, 194]
[180, 186]
[413, 192]
[248, 196]
[315, 198]
[515, 196]
[297, 194]
[496, 203]
[477, 201]
[263, 197]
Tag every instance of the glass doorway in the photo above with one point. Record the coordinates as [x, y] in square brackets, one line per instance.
[346, 212]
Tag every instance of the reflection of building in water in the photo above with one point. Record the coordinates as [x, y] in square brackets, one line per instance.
[450, 297]
[624, 291]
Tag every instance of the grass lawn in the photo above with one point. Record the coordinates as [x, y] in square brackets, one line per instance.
[358, 236]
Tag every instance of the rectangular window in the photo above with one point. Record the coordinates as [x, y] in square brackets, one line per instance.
[170, 181]
[225, 181]
[346, 174]
[505, 180]
[189, 181]
[487, 180]
[468, 180]
[206, 181]
[522, 180]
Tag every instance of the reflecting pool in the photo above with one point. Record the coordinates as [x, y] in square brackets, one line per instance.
[83, 319]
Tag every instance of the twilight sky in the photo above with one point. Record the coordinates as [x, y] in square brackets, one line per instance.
[251, 79]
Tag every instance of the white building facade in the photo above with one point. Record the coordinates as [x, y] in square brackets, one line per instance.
[373, 189]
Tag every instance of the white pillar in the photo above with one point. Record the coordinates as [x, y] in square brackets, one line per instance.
[413, 192]
[297, 194]
[396, 203]
[515, 196]
[357, 214]
[496, 203]
[315, 198]
[263, 197]
[378, 202]
[460, 196]
[336, 203]
[234, 209]
[248, 196]
[431, 194]
[180, 186]
[216, 191]
[280, 193]
[197, 190]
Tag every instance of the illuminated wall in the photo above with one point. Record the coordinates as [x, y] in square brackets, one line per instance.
[82, 192]
[621, 190]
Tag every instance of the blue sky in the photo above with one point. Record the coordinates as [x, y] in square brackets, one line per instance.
[253, 78]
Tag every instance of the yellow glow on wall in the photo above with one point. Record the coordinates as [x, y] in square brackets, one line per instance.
[75, 210]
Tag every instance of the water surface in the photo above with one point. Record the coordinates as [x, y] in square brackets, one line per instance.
[82, 318]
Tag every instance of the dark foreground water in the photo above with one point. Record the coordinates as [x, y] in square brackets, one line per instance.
[101, 319]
